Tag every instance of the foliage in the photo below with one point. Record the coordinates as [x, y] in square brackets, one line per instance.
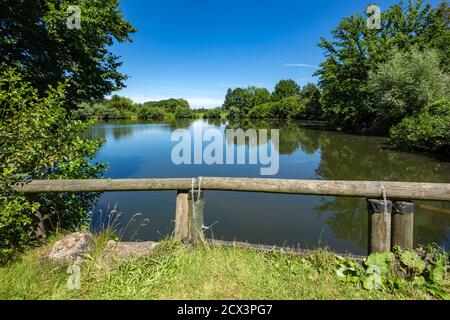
[262, 111]
[259, 95]
[215, 113]
[182, 112]
[168, 105]
[355, 50]
[427, 131]
[235, 113]
[287, 102]
[150, 112]
[310, 96]
[425, 268]
[99, 110]
[405, 84]
[284, 89]
[240, 99]
[39, 141]
[290, 107]
[34, 38]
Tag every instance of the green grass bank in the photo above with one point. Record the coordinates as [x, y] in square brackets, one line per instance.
[177, 271]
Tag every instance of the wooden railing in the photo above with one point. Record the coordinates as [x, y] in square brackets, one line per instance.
[389, 203]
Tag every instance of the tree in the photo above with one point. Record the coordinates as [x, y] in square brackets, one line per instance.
[285, 89]
[290, 107]
[405, 84]
[35, 39]
[39, 141]
[238, 98]
[311, 96]
[169, 105]
[215, 113]
[146, 112]
[355, 50]
[259, 95]
[181, 112]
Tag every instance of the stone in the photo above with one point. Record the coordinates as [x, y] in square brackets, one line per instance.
[123, 251]
[73, 247]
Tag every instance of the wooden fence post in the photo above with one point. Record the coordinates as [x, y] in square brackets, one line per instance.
[189, 216]
[379, 239]
[196, 208]
[182, 223]
[402, 225]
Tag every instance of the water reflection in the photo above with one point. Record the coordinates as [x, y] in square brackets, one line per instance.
[142, 149]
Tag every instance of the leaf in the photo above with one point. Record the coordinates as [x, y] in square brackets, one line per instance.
[437, 271]
[373, 282]
[380, 260]
[411, 260]
[437, 291]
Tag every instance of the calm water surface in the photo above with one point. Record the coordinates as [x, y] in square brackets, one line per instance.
[136, 149]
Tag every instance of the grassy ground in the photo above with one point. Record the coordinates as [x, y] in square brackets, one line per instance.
[175, 271]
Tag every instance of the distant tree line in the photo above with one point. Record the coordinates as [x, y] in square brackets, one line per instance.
[287, 101]
[124, 108]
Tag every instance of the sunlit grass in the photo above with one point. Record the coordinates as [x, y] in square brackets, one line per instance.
[177, 271]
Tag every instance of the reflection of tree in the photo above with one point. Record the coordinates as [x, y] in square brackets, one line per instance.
[348, 218]
[292, 135]
[348, 157]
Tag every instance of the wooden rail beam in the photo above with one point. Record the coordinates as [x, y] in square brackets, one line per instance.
[363, 189]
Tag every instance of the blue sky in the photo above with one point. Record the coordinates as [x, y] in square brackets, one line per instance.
[197, 49]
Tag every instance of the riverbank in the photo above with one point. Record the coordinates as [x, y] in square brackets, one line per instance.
[177, 271]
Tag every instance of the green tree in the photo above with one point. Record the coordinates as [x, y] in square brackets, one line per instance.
[290, 107]
[150, 112]
[285, 89]
[238, 98]
[215, 113]
[35, 39]
[356, 49]
[39, 141]
[311, 96]
[259, 95]
[169, 105]
[405, 84]
[181, 112]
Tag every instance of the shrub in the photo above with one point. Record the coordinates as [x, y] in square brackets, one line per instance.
[427, 131]
[235, 113]
[215, 113]
[39, 141]
[405, 84]
[262, 111]
[148, 112]
[290, 107]
[183, 112]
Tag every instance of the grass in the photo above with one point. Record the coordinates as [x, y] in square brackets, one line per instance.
[177, 271]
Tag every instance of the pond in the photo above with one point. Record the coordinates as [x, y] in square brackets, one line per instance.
[139, 149]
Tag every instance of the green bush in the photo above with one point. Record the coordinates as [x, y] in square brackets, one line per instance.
[428, 131]
[262, 111]
[39, 141]
[215, 113]
[148, 112]
[235, 113]
[424, 268]
[183, 112]
[405, 84]
[291, 107]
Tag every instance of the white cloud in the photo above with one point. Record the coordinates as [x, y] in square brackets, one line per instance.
[194, 102]
[300, 65]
